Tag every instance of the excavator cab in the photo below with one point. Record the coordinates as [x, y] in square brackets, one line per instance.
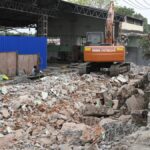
[95, 39]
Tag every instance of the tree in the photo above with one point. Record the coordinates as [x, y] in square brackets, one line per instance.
[130, 12]
[93, 3]
[145, 44]
[125, 11]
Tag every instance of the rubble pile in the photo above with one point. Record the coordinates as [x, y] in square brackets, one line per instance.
[68, 111]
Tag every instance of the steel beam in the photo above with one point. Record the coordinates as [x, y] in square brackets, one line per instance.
[26, 8]
[87, 11]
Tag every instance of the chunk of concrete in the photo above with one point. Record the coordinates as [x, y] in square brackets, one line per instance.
[135, 103]
[5, 113]
[140, 91]
[65, 147]
[115, 104]
[44, 95]
[77, 133]
[140, 117]
[106, 121]
[98, 112]
[122, 79]
[126, 91]
[19, 133]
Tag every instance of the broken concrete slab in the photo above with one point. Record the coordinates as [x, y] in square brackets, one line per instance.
[135, 103]
[126, 91]
[76, 133]
[98, 112]
[73, 132]
[124, 118]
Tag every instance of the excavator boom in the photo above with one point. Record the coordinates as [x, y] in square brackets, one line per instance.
[109, 28]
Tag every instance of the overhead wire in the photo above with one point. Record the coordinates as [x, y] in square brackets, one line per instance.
[133, 4]
[142, 4]
[146, 2]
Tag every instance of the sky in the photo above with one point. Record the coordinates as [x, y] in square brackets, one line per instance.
[140, 6]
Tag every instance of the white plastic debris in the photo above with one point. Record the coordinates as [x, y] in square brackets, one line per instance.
[1, 135]
[9, 130]
[4, 90]
[44, 95]
[37, 102]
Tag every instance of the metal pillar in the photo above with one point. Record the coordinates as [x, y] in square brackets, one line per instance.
[42, 26]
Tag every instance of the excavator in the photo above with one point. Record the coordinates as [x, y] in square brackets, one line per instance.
[102, 52]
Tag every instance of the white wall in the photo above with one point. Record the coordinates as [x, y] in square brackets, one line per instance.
[131, 27]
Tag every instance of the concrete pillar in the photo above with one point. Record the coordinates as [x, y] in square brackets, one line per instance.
[69, 37]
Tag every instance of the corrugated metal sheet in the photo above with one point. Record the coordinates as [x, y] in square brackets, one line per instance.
[25, 45]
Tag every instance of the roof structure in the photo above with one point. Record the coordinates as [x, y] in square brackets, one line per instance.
[18, 13]
[88, 11]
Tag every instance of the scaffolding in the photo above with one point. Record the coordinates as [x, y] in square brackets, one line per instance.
[42, 26]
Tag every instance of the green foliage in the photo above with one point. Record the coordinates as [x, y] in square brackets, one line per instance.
[145, 44]
[125, 11]
[146, 25]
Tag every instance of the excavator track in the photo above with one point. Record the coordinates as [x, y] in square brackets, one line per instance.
[114, 69]
[119, 68]
[84, 68]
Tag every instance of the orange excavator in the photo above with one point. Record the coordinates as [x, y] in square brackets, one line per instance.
[102, 51]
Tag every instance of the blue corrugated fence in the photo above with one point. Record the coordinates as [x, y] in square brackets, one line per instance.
[26, 45]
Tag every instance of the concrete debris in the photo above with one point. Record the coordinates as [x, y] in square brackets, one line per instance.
[4, 90]
[98, 112]
[1, 135]
[135, 103]
[79, 133]
[122, 79]
[139, 117]
[44, 95]
[5, 112]
[66, 111]
[148, 75]
[115, 104]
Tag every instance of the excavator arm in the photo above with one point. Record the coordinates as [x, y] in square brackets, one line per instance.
[109, 27]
